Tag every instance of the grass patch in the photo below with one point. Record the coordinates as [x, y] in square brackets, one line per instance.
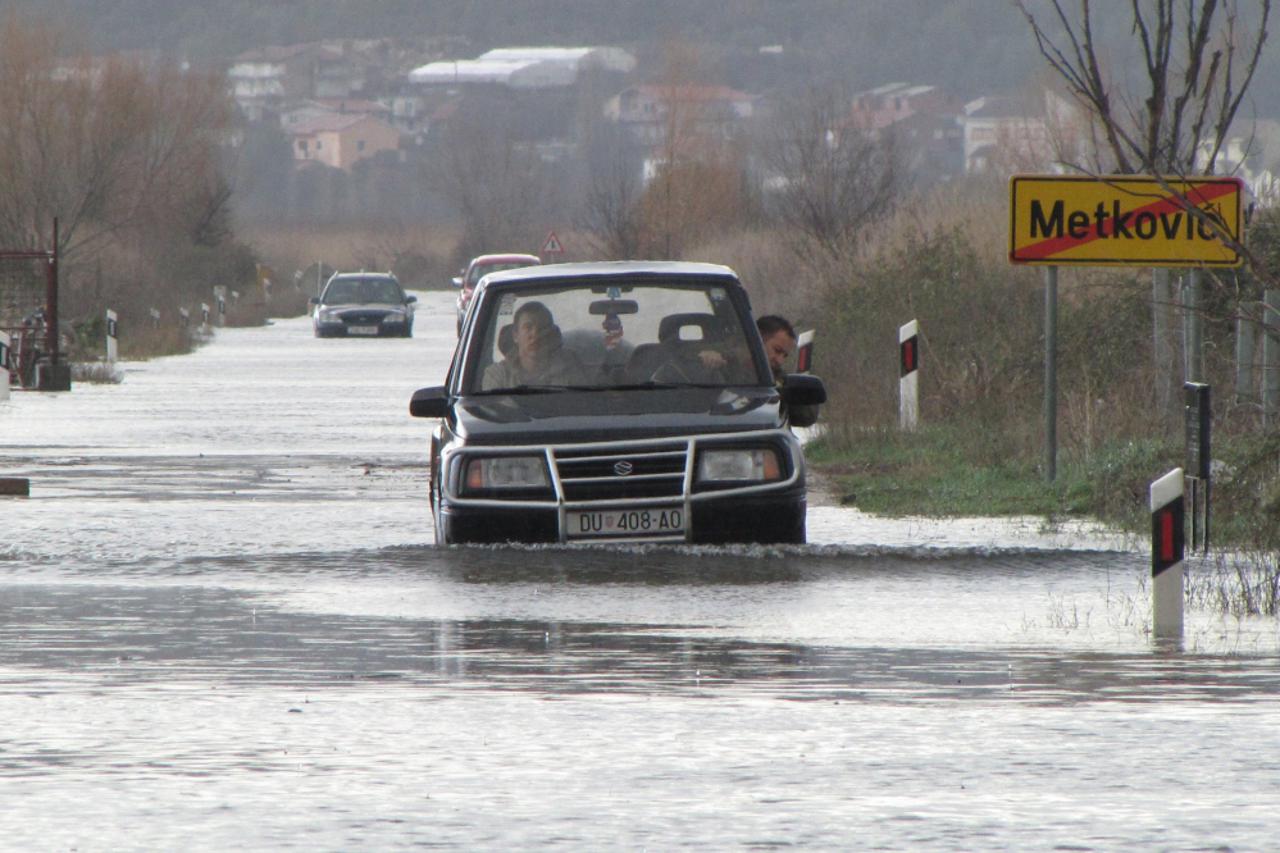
[943, 471]
[96, 373]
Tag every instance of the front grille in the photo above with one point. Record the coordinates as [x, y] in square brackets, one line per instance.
[610, 474]
[367, 318]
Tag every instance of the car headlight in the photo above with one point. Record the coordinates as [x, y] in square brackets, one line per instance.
[505, 472]
[739, 465]
[330, 317]
[393, 317]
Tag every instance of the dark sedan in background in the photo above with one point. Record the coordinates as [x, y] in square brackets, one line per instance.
[362, 304]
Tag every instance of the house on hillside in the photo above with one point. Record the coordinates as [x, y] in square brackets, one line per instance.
[647, 110]
[1253, 155]
[920, 121]
[266, 78]
[340, 140]
[263, 78]
[1004, 135]
[311, 108]
[878, 108]
[524, 67]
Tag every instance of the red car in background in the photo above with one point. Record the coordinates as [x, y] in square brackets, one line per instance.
[480, 266]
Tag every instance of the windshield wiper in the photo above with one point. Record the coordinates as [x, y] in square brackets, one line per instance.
[530, 389]
[642, 386]
[633, 386]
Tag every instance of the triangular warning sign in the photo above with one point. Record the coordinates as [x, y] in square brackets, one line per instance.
[551, 246]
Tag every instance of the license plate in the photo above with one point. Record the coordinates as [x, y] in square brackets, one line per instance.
[362, 330]
[653, 521]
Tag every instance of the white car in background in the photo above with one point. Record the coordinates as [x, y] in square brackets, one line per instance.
[480, 266]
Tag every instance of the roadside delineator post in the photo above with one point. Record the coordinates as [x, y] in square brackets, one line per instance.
[4, 365]
[1168, 517]
[113, 342]
[804, 351]
[220, 303]
[908, 376]
[204, 316]
[184, 318]
[155, 318]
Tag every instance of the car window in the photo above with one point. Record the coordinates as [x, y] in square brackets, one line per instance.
[382, 290]
[479, 271]
[364, 291]
[670, 334]
[341, 293]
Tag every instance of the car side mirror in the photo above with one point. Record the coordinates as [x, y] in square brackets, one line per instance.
[315, 300]
[430, 402]
[457, 281]
[801, 389]
[409, 299]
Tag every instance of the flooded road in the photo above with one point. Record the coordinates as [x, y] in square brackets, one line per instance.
[223, 625]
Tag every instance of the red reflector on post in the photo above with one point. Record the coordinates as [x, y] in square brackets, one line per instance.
[907, 350]
[1166, 535]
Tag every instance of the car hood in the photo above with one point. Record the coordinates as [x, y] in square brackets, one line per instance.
[578, 416]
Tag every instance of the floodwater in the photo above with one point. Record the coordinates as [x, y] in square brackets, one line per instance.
[223, 625]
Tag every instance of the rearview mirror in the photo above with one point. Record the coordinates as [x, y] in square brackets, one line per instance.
[614, 306]
[430, 402]
[409, 299]
[457, 281]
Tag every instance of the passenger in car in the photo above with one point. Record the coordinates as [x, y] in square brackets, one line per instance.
[537, 356]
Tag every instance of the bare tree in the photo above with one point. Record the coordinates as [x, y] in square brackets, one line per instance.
[110, 147]
[695, 183]
[611, 213]
[1199, 59]
[497, 184]
[833, 177]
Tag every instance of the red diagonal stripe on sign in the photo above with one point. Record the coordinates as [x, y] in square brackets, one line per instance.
[1197, 195]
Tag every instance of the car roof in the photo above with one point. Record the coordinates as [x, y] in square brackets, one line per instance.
[608, 269]
[504, 258]
[342, 275]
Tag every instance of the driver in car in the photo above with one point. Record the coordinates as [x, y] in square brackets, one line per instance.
[538, 355]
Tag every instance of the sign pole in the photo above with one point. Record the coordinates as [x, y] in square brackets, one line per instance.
[1199, 423]
[909, 376]
[1193, 328]
[1051, 373]
[1270, 357]
[51, 303]
[1245, 346]
[1162, 351]
[1167, 542]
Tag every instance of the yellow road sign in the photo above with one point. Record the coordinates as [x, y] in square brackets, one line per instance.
[1126, 220]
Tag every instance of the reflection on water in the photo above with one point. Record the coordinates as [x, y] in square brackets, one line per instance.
[132, 636]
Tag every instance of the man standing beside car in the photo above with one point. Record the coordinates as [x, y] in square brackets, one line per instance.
[779, 338]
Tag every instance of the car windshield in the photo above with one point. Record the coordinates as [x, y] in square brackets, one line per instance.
[606, 337]
[362, 291]
[479, 271]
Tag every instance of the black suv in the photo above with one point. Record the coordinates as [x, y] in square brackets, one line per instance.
[607, 402]
[363, 304]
